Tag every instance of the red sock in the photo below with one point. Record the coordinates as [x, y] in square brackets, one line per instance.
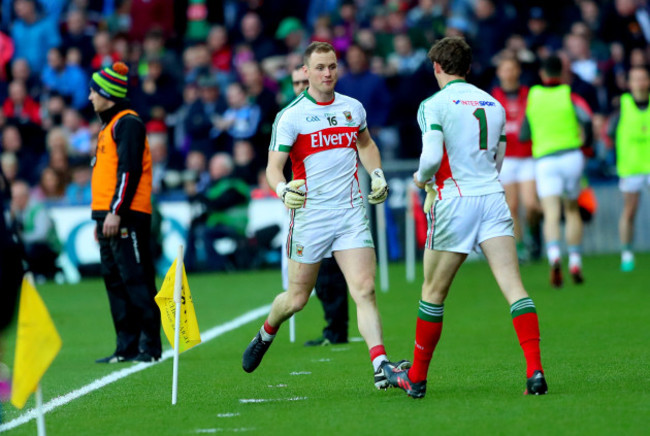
[377, 351]
[527, 328]
[427, 335]
[270, 329]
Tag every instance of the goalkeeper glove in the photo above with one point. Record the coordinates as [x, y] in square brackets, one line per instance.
[290, 193]
[430, 198]
[378, 187]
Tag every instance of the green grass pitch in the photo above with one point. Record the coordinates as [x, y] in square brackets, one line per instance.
[595, 349]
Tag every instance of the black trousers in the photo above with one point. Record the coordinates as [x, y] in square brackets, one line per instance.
[129, 276]
[332, 291]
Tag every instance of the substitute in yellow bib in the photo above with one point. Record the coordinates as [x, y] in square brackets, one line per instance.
[121, 205]
[630, 130]
[559, 124]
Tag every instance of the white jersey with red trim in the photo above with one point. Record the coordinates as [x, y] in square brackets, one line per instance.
[472, 123]
[321, 139]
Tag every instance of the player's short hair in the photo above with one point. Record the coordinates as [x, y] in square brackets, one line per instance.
[298, 67]
[453, 54]
[552, 66]
[317, 47]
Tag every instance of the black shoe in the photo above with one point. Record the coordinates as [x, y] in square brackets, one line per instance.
[536, 385]
[556, 276]
[115, 358]
[576, 275]
[399, 378]
[146, 357]
[320, 342]
[380, 376]
[254, 352]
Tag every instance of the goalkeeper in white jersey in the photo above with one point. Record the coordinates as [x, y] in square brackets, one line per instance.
[325, 134]
[463, 144]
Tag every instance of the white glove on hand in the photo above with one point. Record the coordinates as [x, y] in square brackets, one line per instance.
[378, 187]
[430, 199]
[290, 193]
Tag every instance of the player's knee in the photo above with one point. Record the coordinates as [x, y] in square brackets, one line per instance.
[298, 302]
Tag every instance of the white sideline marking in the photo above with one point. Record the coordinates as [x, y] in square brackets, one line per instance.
[227, 415]
[300, 373]
[269, 400]
[206, 336]
[219, 430]
[278, 386]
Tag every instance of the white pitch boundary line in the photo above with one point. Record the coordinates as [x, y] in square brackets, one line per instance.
[206, 336]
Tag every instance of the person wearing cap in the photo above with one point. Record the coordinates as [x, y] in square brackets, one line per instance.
[292, 33]
[121, 204]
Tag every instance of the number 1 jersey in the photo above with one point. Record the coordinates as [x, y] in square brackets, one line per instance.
[321, 139]
[472, 123]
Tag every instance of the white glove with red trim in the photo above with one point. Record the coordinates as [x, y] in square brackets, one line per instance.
[378, 187]
[291, 194]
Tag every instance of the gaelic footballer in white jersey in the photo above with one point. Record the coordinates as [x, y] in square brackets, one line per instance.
[306, 128]
[473, 125]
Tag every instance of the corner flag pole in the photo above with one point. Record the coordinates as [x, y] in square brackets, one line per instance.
[178, 285]
[40, 417]
[410, 235]
[383, 247]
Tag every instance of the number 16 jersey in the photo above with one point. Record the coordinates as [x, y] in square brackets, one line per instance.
[472, 123]
[321, 139]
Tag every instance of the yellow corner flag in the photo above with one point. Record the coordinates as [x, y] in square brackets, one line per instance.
[189, 329]
[37, 345]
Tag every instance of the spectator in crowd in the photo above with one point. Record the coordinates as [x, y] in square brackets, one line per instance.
[6, 53]
[196, 177]
[158, 89]
[539, 38]
[151, 14]
[12, 142]
[244, 159]
[199, 122]
[292, 35]
[68, 80]
[78, 190]
[629, 131]
[33, 35]
[220, 50]
[21, 106]
[240, 120]
[78, 34]
[51, 186]
[9, 163]
[21, 71]
[251, 31]
[105, 54]
[36, 229]
[159, 160]
[53, 113]
[177, 121]
[253, 80]
[153, 47]
[78, 133]
[405, 60]
[224, 206]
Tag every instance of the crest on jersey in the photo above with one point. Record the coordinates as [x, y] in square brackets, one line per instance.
[299, 249]
[348, 116]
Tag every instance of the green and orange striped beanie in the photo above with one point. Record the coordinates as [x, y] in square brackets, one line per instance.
[111, 82]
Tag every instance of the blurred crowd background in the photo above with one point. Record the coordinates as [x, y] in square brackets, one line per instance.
[209, 76]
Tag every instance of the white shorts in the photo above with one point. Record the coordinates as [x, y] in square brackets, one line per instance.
[459, 224]
[316, 233]
[517, 170]
[559, 174]
[634, 183]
